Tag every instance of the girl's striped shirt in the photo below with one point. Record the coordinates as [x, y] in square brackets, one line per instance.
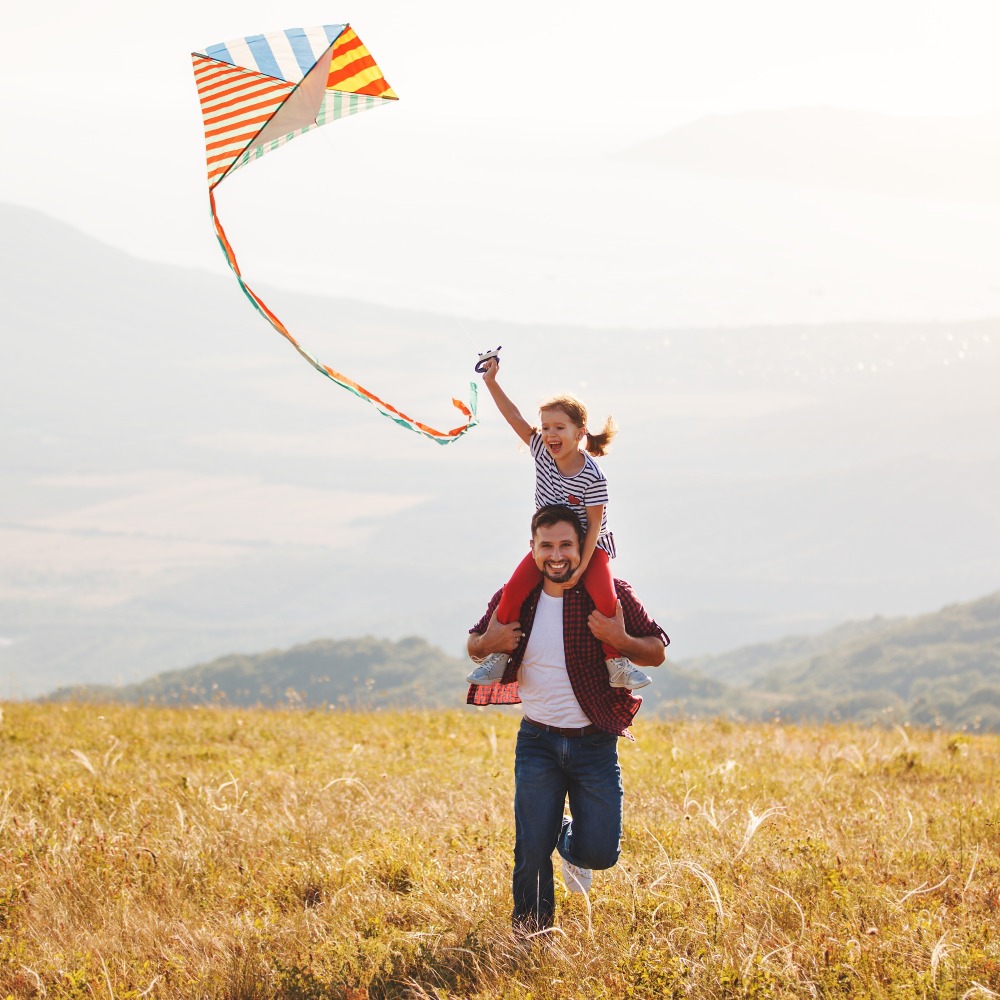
[586, 489]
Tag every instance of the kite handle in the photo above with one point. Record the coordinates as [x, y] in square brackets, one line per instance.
[486, 357]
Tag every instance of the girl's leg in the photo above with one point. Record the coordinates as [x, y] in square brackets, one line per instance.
[517, 589]
[600, 585]
[515, 593]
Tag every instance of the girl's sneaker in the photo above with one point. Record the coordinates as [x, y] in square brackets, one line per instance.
[492, 669]
[624, 674]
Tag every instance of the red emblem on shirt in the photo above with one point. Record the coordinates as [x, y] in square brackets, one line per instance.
[572, 499]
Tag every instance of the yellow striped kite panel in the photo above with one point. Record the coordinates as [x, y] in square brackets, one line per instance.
[354, 70]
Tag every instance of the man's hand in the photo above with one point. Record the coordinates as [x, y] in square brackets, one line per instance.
[643, 651]
[609, 630]
[498, 638]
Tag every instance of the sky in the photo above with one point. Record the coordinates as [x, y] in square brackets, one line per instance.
[493, 188]
[506, 185]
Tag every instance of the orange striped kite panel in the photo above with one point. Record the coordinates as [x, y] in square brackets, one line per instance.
[236, 104]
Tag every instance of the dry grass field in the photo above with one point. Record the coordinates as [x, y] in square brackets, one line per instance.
[150, 852]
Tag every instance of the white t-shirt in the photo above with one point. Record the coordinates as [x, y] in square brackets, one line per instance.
[542, 681]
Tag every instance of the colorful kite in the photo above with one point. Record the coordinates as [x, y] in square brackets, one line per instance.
[259, 92]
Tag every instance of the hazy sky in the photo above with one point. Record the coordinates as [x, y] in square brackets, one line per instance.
[499, 187]
[500, 142]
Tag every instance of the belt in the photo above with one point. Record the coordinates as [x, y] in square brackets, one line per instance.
[571, 733]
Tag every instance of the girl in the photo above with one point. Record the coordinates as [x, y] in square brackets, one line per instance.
[564, 474]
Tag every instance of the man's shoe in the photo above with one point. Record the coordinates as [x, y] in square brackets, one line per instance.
[577, 879]
[492, 669]
[624, 675]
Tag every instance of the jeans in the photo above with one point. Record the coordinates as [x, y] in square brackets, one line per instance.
[547, 767]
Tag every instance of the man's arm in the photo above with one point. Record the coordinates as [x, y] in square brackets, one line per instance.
[497, 638]
[643, 651]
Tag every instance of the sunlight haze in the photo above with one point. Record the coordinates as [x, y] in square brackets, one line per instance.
[498, 188]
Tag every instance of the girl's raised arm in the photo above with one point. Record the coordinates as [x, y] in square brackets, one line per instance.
[505, 405]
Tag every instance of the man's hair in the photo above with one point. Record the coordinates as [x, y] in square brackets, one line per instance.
[556, 513]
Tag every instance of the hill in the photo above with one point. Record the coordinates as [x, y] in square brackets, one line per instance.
[941, 668]
[365, 673]
[354, 673]
[741, 666]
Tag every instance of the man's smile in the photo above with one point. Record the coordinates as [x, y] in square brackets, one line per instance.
[556, 551]
[558, 570]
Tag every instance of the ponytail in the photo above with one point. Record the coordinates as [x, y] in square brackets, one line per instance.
[597, 444]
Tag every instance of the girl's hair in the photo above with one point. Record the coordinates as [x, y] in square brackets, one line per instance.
[597, 444]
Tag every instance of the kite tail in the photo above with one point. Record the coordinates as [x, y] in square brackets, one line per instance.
[386, 409]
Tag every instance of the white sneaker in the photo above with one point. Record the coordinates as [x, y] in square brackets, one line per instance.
[624, 675]
[576, 879]
[491, 669]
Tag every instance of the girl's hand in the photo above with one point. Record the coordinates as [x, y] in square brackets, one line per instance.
[575, 578]
[490, 371]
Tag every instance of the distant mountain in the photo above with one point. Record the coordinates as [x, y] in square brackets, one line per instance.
[741, 667]
[954, 159]
[356, 673]
[938, 668]
[942, 667]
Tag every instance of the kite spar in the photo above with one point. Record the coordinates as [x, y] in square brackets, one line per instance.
[260, 92]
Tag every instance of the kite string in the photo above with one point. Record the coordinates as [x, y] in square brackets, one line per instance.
[386, 409]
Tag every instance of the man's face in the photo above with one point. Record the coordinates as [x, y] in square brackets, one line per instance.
[556, 550]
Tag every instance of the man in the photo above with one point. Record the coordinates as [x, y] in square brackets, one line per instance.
[568, 740]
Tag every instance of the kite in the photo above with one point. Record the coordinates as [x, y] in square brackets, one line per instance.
[257, 94]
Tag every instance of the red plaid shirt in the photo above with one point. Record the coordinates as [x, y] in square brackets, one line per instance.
[610, 709]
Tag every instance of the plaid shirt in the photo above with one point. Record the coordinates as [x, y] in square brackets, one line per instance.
[610, 709]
